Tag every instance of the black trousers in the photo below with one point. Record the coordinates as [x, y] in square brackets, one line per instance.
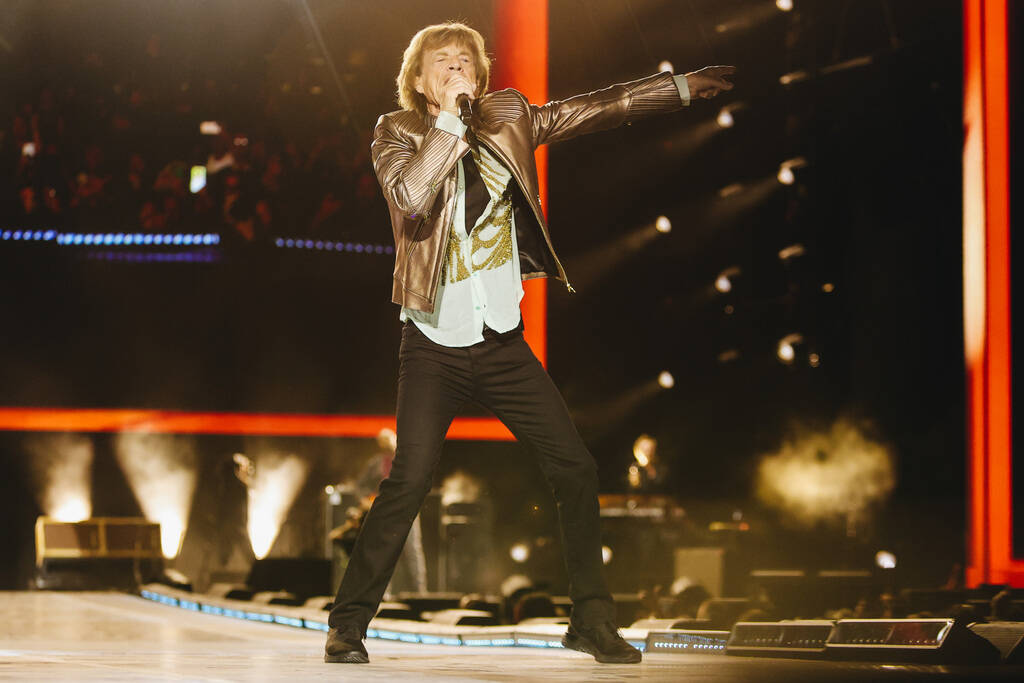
[502, 374]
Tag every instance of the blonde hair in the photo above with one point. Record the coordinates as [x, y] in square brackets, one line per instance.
[431, 38]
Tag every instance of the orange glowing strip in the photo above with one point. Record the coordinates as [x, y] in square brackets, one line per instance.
[521, 62]
[998, 356]
[987, 214]
[248, 424]
[977, 570]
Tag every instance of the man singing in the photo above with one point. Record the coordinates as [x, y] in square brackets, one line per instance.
[468, 229]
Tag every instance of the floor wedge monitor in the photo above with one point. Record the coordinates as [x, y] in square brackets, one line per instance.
[1007, 636]
[798, 638]
[938, 641]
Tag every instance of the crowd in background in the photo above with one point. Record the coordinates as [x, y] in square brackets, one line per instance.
[106, 141]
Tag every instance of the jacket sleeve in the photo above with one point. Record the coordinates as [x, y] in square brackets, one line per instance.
[410, 177]
[603, 109]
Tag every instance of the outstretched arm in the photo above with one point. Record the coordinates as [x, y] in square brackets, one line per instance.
[624, 102]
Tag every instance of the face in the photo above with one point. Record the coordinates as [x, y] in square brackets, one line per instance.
[387, 439]
[437, 69]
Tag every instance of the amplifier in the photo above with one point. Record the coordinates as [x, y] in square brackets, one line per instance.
[97, 538]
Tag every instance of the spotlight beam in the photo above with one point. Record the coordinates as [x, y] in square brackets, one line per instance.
[603, 260]
[276, 482]
[342, 92]
[602, 417]
[61, 468]
[161, 471]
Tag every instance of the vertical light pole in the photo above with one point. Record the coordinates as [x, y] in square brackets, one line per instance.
[521, 62]
[987, 312]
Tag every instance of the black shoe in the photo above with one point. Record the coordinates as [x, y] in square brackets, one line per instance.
[603, 641]
[345, 645]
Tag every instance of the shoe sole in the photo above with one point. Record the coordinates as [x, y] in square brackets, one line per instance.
[347, 658]
[584, 646]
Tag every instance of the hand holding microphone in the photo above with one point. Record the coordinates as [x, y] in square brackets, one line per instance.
[458, 97]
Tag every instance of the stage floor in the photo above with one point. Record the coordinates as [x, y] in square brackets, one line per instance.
[117, 637]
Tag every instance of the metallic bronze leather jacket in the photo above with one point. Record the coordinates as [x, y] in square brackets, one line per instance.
[416, 166]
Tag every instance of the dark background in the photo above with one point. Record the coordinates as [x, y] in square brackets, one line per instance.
[877, 208]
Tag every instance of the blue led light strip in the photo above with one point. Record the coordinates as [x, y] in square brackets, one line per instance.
[205, 255]
[29, 235]
[502, 638]
[178, 240]
[384, 634]
[327, 245]
[111, 238]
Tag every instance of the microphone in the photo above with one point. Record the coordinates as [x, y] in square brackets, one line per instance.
[465, 106]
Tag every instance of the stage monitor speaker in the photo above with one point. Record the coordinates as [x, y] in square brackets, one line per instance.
[302, 576]
[430, 602]
[230, 591]
[464, 617]
[97, 538]
[320, 602]
[1006, 636]
[932, 641]
[96, 554]
[397, 610]
[802, 639]
[277, 598]
[687, 642]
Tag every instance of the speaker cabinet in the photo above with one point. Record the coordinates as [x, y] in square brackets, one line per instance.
[933, 641]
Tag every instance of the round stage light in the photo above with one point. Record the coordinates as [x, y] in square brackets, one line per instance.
[665, 65]
[786, 175]
[885, 559]
[724, 283]
[784, 5]
[786, 350]
[663, 224]
[643, 449]
[633, 476]
[520, 552]
[606, 554]
[725, 119]
[666, 380]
